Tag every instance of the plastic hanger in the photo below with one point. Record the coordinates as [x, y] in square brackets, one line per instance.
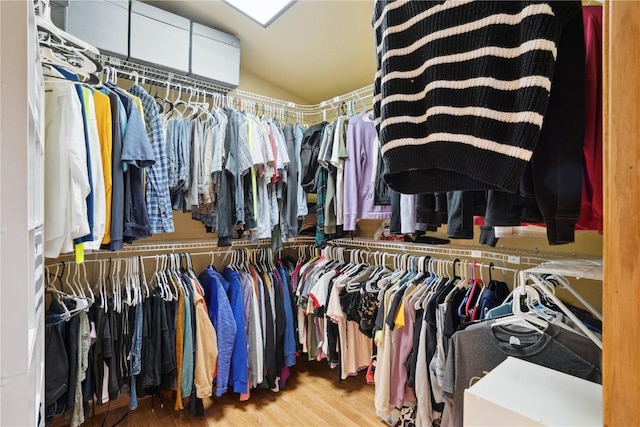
[81, 303]
[190, 107]
[87, 285]
[138, 278]
[554, 299]
[43, 20]
[143, 279]
[75, 282]
[116, 286]
[174, 108]
[520, 317]
[102, 264]
[163, 283]
[476, 285]
[58, 295]
[134, 288]
[175, 278]
[67, 281]
[564, 284]
[61, 59]
[167, 277]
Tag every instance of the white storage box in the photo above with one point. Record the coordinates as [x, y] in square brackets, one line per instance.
[519, 393]
[101, 23]
[215, 55]
[159, 38]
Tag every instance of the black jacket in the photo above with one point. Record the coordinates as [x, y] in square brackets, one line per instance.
[309, 156]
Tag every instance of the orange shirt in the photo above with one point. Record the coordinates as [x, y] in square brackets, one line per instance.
[103, 117]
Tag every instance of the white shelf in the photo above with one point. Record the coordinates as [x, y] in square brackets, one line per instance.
[580, 269]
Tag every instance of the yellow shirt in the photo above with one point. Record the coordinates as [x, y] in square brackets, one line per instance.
[400, 320]
[105, 131]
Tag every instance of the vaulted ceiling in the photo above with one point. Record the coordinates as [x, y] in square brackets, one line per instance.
[314, 50]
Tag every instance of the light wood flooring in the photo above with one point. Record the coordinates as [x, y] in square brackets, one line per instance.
[312, 397]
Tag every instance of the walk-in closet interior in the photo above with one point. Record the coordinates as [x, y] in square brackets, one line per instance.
[313, 213]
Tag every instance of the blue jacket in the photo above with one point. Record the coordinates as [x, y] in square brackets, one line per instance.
[223, 321]
[239, 374]
[289, 335]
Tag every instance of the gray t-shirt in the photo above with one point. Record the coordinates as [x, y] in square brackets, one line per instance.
[475, 351]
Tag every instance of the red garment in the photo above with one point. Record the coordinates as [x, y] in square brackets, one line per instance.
[591, 209]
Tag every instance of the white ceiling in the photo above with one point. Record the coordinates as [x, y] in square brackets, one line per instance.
[314, 50]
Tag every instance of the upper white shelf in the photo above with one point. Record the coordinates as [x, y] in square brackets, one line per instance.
[578, 268]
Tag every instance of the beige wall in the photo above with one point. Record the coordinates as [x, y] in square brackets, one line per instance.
[251, 82]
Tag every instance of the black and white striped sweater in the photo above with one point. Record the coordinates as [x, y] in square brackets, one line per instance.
[461, 89]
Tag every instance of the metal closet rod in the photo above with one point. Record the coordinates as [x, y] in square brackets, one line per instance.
[506, 256]
[145, 72]
[116, 259]
[191, 244]
[410, 260]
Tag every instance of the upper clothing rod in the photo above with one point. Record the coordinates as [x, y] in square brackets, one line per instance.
[149, 73]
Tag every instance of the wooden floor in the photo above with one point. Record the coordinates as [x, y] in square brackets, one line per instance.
[312, 397]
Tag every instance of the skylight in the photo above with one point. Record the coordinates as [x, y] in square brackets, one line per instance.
[263, 12]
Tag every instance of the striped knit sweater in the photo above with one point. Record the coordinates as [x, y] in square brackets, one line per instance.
[461, 89]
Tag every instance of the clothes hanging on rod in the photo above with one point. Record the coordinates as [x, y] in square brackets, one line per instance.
[428, 315]
[96, 159]
[431, 338]
[338, 166]
[229, 329]
[235, 171]
[329, 317]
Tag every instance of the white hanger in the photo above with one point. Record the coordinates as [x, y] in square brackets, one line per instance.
[117, 279]
[92, 297]
[164, 278]
[159, 277]
[67, 282]
[59, 48]
[564, 283]
[101, 282]
[173, 278]
[143, 278]
[58, 294]
[128, 282]
[75, 281]
[520, 317]
[137, 286]
[43, 20]
[553, 298]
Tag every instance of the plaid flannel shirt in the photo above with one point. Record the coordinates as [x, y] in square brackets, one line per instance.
[157, 182]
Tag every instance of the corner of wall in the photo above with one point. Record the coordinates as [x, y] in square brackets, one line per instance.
[251, 82]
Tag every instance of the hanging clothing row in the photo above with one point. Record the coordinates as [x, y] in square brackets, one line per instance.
[118, 162]
[342, 164]
[424, 327]
[471, 138]
[196, 335]
[436, 332]
[97, 150]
